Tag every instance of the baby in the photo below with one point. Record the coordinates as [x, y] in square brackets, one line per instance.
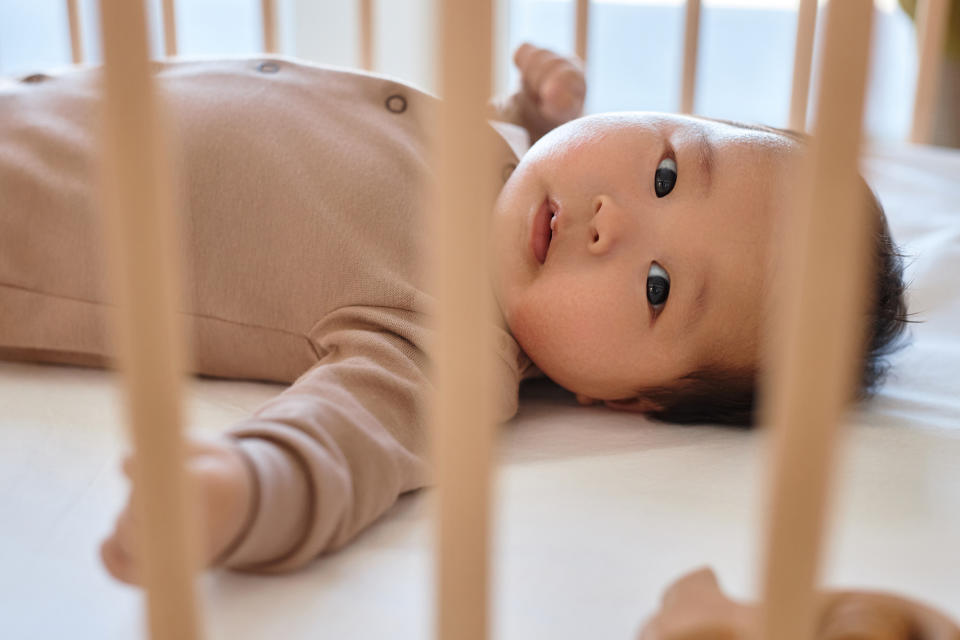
[631, 265]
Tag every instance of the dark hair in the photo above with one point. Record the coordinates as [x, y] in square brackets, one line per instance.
[720, 395]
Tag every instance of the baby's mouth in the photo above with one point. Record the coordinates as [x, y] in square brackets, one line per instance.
[544, 226]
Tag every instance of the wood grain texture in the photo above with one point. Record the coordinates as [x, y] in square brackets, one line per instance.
[268, 12]
[144, 277]
[691, 42]
[931, 19]
[76, 35]
[816, 339]
[169, 28]
[802, 61]
[366, 34]
[582, 26]
[463, 354]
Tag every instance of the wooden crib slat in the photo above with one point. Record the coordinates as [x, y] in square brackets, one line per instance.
[931, 21]
[268, 11]
[582, 24]
[463, 352]
[815, 343]
[691, 39]
[802, 59]
[76, 36]
[366, 34]
[144, 276]
[169, 28]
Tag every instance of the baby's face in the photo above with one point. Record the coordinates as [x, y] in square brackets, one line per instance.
[646, 278]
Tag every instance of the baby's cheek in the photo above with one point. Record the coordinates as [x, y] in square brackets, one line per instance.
[528, 322]
[564, 336]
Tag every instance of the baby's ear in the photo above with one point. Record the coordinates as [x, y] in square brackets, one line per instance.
[638, 404]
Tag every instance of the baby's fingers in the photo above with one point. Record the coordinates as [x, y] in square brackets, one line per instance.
[562, 94]
[117, 551]
[536, 65]
[117, 563]
[553, 83]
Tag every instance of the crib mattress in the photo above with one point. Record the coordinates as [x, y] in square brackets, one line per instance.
[595, 511]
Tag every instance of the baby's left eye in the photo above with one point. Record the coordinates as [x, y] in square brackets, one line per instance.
[665, 177]
[658, 285]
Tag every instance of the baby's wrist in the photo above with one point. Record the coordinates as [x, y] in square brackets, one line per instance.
[242, 496]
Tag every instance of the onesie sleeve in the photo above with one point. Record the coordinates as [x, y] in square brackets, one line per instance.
[333, 451]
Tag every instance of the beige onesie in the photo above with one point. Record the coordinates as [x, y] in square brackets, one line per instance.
[301, 190]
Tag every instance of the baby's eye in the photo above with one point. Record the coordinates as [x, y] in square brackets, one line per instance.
[658, 285]
[665, 177]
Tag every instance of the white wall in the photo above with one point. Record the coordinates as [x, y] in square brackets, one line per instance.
[328, 32]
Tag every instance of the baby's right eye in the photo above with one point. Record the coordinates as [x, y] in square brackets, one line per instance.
[665, 177]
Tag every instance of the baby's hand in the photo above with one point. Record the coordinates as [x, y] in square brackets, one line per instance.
[554, 88]
[224, 484]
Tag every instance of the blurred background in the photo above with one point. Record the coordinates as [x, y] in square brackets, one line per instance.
[634, 58]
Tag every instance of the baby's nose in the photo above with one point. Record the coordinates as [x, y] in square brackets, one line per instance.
[606, 225]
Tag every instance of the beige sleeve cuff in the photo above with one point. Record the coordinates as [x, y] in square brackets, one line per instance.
[281, 507]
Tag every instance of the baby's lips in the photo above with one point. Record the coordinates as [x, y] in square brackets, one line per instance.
[540, 232]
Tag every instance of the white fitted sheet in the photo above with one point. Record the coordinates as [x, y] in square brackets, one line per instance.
[596, 511]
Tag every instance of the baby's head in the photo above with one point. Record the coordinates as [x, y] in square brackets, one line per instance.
[651, 291]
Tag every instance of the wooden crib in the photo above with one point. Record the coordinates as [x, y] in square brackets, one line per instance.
[805, 398]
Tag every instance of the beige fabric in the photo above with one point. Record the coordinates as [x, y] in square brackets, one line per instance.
[302, 197]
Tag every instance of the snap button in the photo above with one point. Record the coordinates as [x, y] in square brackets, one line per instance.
[396, 103]
[508, 170]
[268, 67]
[34, 78]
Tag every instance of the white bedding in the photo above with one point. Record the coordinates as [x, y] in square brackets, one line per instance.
[596, 511]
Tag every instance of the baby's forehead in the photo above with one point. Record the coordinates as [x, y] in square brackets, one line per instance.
[718, 130]
[758, 132]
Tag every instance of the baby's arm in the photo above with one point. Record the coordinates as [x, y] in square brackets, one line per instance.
[335, 450]
[316, 464]
[553, 91]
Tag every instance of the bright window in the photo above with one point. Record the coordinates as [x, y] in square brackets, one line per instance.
[744, 67]
[745, 61]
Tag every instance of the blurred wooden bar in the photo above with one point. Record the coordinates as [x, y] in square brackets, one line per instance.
[691, 39]
[144, 278]
[582, 25]
[366, 34]
[76, 34]
[169, 28]
[815, 342]
[931, 21]
[802, 59]
[463, 352]
[268, 11]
